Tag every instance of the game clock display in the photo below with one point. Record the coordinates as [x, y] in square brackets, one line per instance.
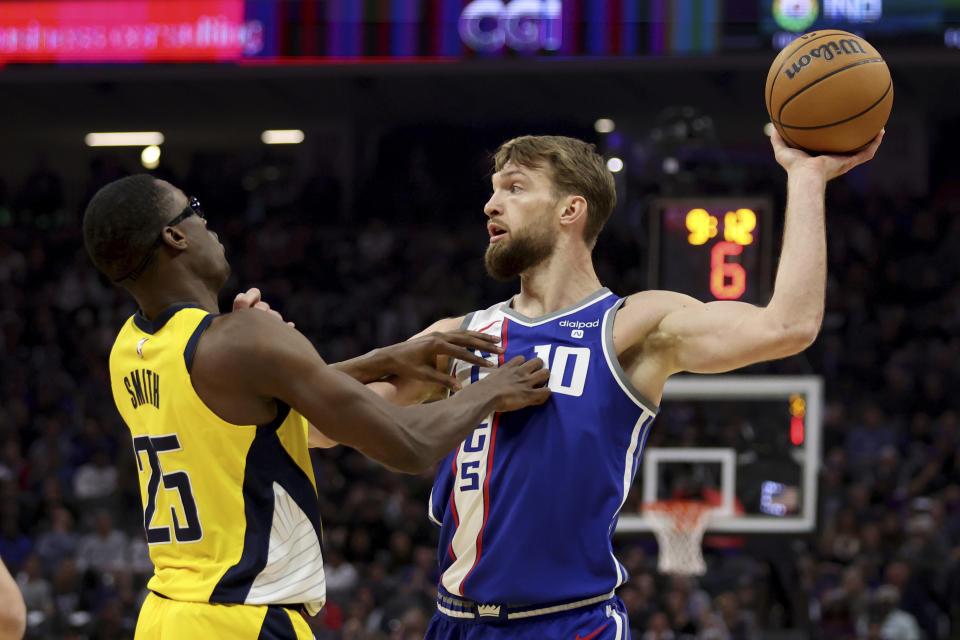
[712, 248]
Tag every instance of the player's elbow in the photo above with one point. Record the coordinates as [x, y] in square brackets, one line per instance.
[789, 332]
[410, 463]
[798, 336]
[808, 334]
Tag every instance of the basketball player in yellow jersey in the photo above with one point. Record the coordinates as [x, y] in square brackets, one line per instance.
[221, 409]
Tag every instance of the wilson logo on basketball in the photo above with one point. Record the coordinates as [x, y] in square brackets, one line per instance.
[826, 51]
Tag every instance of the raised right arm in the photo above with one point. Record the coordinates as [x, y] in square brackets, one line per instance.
[249, 354]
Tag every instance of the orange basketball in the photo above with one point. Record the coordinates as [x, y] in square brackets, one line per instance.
[829, 91]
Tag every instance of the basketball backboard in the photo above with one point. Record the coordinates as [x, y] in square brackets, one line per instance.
[748, 444]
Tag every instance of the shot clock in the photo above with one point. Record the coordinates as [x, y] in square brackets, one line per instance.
[712, 248]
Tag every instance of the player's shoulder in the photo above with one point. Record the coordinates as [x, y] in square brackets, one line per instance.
[247, 323]
[655, 302]
[643, 311]
[241, 337]
[444, 324]
[244, 349]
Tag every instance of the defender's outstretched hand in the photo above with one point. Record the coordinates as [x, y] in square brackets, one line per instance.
[416, 359]
[521, 384]
[830, 166]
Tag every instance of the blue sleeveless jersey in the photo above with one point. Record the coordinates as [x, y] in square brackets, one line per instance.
[528, 503]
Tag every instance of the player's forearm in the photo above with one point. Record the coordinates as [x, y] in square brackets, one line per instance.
[366, 368]
[439, 427]
[797, 305]
[13, 612]
[406, 439]
[404, 392]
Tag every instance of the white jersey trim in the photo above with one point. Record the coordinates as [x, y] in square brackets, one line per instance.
[527, 321]
[430, 514]
[515, 615]
[294, 570]
[631, 455]
[560, 607]
[610, 355]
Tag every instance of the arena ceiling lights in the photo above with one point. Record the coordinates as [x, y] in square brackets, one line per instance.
[123, 139]
[282, 136]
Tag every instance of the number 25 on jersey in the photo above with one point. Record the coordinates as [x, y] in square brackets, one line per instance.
[188, 531]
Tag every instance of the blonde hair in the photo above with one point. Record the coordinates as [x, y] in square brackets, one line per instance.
[575, 168]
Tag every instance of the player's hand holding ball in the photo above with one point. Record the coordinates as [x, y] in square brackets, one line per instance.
[828, 165]
[829, 92]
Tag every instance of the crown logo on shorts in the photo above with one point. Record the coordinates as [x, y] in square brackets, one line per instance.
[489, 610]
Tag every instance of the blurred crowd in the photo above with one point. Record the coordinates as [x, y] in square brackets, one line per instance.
[883, 563]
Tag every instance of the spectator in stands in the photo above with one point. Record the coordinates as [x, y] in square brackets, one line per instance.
[15, 546]
[341, 576]
[72, 596]
[59, 543]
[102, 550]
[885, 620]
[36, 589]
[96, 480]
[659, 628]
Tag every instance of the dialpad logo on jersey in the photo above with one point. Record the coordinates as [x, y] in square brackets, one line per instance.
[523, 25]
[579, 326]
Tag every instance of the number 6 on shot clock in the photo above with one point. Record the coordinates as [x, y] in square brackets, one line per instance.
[711, 248]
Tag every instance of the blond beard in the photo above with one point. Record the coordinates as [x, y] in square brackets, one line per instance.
[507, 259]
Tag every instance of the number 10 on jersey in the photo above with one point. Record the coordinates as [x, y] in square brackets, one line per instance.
[568, 368]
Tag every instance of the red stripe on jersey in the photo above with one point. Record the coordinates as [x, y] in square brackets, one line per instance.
[453, 492]
[453, 503]
[488, 326]
[486, 481]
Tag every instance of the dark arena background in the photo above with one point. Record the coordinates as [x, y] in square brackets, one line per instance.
[341, 149]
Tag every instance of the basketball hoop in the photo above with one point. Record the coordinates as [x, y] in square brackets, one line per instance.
[679, 526]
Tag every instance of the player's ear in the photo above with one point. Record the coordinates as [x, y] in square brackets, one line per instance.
[174, 237]
[574, 210]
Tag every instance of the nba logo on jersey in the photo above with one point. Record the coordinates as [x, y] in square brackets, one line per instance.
[528, 502]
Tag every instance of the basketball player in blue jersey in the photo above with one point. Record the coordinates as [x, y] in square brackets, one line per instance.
[528, 502]
[218, 409]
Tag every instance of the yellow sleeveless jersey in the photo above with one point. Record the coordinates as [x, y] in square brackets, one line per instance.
[230, 512]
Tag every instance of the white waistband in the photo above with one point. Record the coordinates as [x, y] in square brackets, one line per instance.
[493, 610]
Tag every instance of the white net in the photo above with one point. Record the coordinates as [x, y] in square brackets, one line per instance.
[679, 526]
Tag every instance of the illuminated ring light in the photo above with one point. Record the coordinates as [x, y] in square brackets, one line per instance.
[795, 15]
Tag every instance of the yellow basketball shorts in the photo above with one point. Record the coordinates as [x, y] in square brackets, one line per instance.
[163, 619]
